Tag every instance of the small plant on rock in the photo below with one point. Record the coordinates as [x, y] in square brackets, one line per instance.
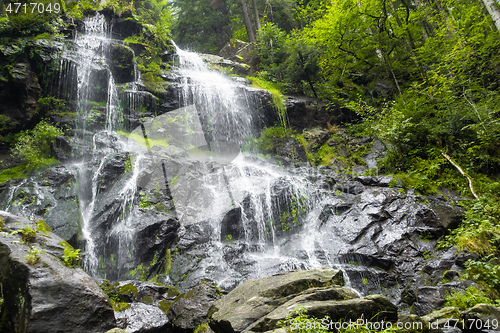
[28, 234]
[33, 256]
[71, 257]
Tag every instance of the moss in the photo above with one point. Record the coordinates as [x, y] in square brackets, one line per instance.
[202, 328]
[165, 306]
[172, 292]
[120, 306]
[470, 298]
[168, 262]
[33, 256]
[128, 289]
[2, 224]
[147, 300]
[17, 172]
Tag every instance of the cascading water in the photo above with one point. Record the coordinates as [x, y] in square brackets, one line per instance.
[98, 118]
[234, 202]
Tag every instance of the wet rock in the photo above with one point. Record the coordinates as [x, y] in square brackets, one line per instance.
[46, 295]
[142, 318]
[231, 226]
[121, 63]
[428, 298]
[306, 112]
[19, 94]
[254, 299]
[445, 317]
[376, 307]
[235, 67]
[113, 168]
[62, 149]
[191, 308]
[192, 234]
[482, 317]
[123, 28]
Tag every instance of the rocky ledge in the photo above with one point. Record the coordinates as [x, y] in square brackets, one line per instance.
[39, 292]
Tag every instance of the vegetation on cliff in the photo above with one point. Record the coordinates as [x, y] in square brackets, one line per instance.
[421, 77]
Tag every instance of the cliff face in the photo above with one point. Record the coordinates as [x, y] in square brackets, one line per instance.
[40, 293]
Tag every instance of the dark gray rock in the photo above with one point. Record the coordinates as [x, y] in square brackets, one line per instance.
[191, 308]
[482, 318]
[254, 299]
[121, 63]
[46, 295]
[142, 318]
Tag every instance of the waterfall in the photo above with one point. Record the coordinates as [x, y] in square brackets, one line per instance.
[243, 204]
[147, 185]
[98, 118]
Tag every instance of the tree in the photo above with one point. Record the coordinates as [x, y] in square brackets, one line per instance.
[201, 25]
[248, 22]
[493, 9]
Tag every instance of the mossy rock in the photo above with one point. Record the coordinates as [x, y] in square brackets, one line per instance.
[165, 306]
[121, 306]
[128, 289]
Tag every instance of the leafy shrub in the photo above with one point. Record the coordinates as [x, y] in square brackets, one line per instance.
[34, 146]
[302, 323]
[270, 138]
[486, 273]
[479, 231]
[71, 257]
[28, 234]
[471, 297]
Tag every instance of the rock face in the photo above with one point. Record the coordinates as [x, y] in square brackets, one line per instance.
[259, 305]
[142, 318]
[190, 309]
[46, 295]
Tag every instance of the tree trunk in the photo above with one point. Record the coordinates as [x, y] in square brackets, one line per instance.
[494, 11]
[257, 19]
[248, 22]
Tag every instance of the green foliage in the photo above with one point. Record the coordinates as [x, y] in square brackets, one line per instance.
[42, 226]
[120, 306]
[144, 200]
[479, 231]
[34, 146]
[486, 272]
[71, 257]
[2, 224]
[28, 234]
[202, 328]
[278, 102]
[33, 256]
[302, 323]
[470, 298]
[30, 21]
[53, 106]
[167, 262]
[128, 164]
[270, 138]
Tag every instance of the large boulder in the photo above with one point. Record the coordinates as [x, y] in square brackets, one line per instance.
[40, 293]
[142, 318]
[190, 309]
[257, 297]
[263, 305]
